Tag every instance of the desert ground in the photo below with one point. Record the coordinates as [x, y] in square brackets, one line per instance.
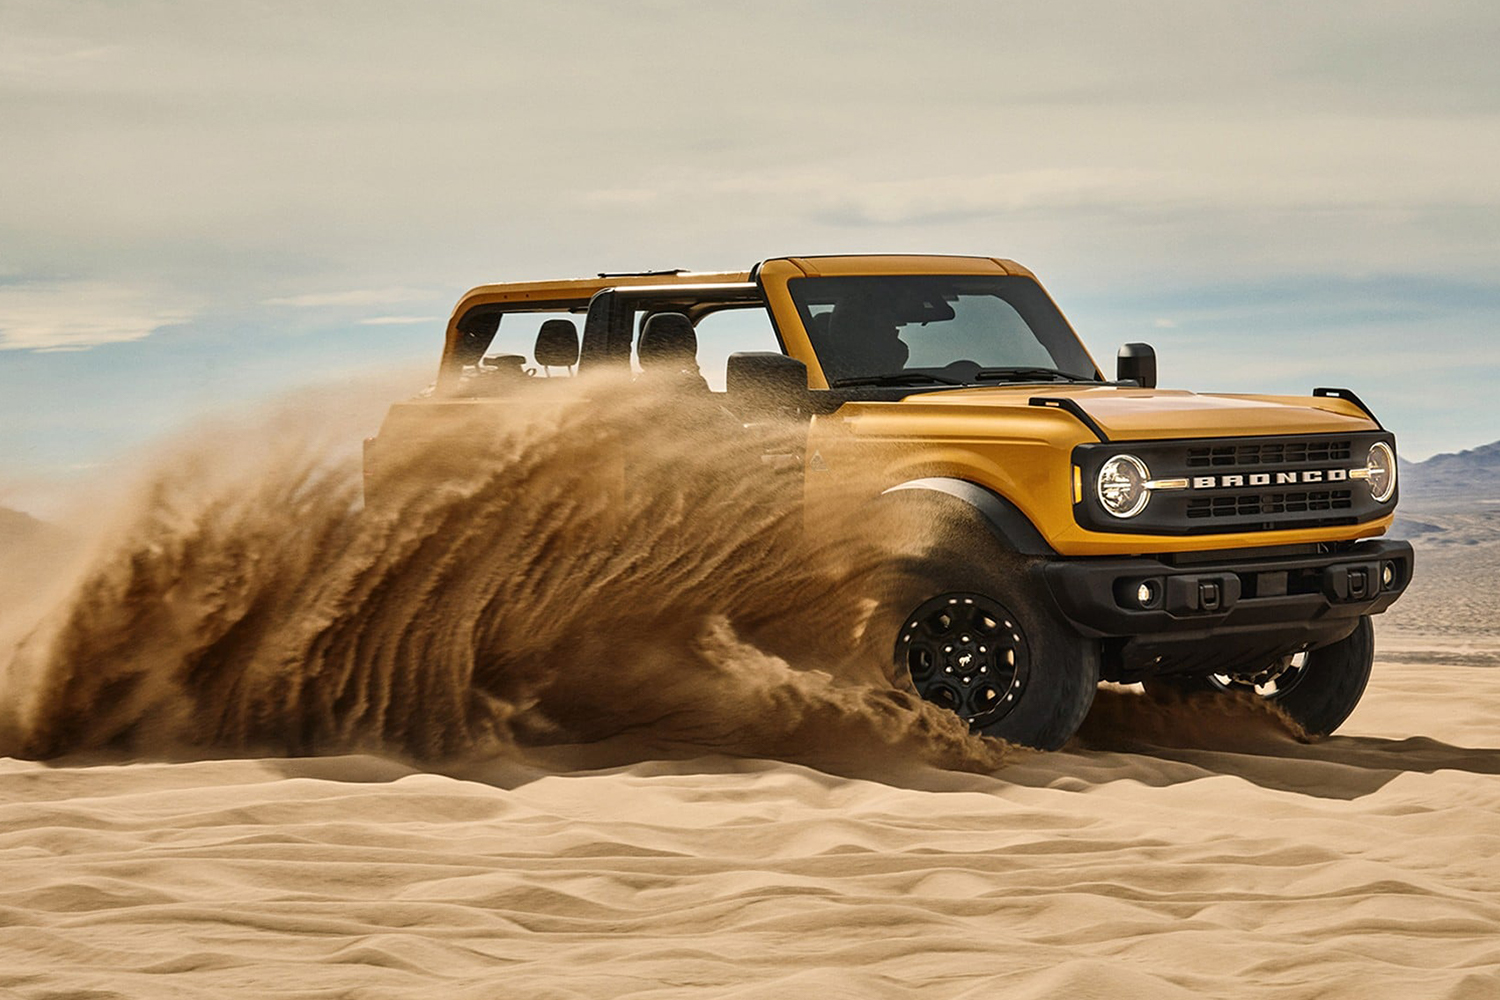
[789, 841]
[1157, 857]
[1161, 855]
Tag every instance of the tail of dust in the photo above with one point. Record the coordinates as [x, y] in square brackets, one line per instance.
[583, 568]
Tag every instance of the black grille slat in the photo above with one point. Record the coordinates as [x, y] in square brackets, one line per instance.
[1269, 453]
[1255, 504]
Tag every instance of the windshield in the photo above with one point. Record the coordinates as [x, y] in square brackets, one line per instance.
[937, 328]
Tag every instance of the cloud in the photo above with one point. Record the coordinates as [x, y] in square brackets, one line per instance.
[75, 316]
[357, 297]
[336, 165]
[398, 320]
[935, 199]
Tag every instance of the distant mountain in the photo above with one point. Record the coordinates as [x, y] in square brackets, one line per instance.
[1452, 499]
[17, 528]
[1465, 475]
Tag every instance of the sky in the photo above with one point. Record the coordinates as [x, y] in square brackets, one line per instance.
[207, 204]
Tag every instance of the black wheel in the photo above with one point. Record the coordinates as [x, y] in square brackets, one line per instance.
[965, 652]
[1317, 689]
[967, 629]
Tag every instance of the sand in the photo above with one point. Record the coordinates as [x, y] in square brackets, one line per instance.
[507, 741]
[1364, 866]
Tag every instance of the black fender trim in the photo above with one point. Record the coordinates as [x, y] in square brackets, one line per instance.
[1014, 527]
[1071, 406]
[1348, 397]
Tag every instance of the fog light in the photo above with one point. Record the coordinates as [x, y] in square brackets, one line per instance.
[1146, 594]
[1387, 575]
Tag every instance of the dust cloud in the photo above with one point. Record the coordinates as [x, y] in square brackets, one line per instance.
[1123, 719]
[593, 565]
[598, 567]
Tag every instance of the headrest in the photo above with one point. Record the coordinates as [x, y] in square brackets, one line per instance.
[668, 341]
[557, 344]
[861, 317]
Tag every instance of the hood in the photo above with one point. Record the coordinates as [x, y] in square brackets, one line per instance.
[1154, 414]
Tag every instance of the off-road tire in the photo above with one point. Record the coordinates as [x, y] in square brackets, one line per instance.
[1058, 669]
[1322, 695]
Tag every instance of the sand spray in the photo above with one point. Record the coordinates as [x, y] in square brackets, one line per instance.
[595, 564]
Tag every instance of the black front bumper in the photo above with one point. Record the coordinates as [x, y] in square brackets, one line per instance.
[1171, 614]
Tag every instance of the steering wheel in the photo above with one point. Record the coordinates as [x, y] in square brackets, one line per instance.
[963, 369]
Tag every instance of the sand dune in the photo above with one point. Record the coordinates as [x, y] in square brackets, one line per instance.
[576, 745]
[1364, 866]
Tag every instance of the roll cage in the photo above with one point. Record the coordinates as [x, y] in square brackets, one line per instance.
[615, 304]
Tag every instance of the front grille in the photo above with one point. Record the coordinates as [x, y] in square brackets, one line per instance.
[1269, 453]
[1266, 504]
[1258, 496]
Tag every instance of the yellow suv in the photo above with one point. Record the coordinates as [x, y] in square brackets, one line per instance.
[1096, 528]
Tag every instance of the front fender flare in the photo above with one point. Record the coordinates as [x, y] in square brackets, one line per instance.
[1004, 517]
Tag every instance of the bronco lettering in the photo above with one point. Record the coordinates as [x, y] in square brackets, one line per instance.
[1264, 479]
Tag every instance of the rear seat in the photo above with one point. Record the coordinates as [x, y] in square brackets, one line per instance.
[557, 345]
[668, 352]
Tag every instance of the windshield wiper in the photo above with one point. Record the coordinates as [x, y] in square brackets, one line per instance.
[895, 378]
[1019, 373]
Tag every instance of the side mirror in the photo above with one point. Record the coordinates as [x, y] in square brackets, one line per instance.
[1137, 363]
[765, 382]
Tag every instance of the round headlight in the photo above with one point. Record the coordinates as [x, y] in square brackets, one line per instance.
[1122, 486]
[1381, 466]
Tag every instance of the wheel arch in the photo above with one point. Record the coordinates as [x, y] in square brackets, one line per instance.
[1004, 518]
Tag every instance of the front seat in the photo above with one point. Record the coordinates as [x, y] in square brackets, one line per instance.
[864, 338]
[668, 351]
[557, 344]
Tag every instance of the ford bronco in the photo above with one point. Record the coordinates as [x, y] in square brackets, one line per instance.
[1101, 529]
